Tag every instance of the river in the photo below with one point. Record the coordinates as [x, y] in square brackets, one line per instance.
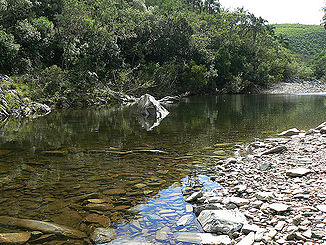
[72, 167]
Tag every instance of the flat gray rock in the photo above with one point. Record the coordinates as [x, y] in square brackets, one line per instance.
[298, 172]
[247, 240]
[321, 208]
[290, 132]
[221, 221]
[279, 207]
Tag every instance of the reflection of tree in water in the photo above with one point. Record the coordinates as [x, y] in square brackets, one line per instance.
[193, 123]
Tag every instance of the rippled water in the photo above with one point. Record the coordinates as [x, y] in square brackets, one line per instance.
[71, 164]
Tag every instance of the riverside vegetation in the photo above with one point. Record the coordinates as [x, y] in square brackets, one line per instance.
[68, 52]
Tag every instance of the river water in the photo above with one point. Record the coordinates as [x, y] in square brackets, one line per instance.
[72, 167]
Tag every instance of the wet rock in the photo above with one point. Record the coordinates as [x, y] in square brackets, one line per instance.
[184, 220]
[54, 153]
[113, 192]
[98, 219]
[151, 112]
[15, 238]
[163, 234]
[290, 132]
[46, 227]
[298, 172]
[221, 221]
[247, 240]
[140, 185]
[194, 196]
[99, 206]
[202, 238]
[103, 235]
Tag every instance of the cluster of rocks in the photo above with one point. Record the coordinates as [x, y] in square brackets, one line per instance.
[274, 193]
[12, 103]
[296, 87]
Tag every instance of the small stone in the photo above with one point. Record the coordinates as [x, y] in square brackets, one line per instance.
[280, 225]
[98, 219]
[221, 221]
[247, 240]
[323, 130]
[298, 172]
[274, 150]
[237, 201]
[210, 239]
[103, 235]
[307, 233]
[231, 160]
[290, 132]
[99, 206]
[189, 208]
[321, 208]
[279, 207]
[113, 192]
[265, 196]
[140, 185]
[14, 238]
[184, 220]
[194, 196]
[163, 234]
[247, 228]
[270, 235]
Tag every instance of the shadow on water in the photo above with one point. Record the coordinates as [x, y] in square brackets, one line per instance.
[75, 167]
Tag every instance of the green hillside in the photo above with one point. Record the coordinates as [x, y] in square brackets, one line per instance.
[303, 39]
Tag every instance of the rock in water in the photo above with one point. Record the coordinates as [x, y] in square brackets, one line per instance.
[221, 221]
[151, 112]
[14, 238]
[45, 227]
[103, 235]
[184, 220]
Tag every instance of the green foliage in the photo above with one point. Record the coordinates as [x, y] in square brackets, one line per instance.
[69, 49]
[303, 39]
[319, 65]
[8, 50]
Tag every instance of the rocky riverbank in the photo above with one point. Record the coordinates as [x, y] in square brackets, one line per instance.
[13, 103]
[275, 193]
[296, 87]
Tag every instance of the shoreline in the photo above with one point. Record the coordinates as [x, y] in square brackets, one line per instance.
[274, 194]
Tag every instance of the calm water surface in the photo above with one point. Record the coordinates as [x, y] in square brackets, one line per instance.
[68, 166]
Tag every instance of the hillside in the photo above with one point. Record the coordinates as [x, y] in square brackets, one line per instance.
[303, 39]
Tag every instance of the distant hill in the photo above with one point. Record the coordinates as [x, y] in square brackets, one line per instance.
[304, 39]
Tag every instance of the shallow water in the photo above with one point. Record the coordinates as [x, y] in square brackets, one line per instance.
[53, 168]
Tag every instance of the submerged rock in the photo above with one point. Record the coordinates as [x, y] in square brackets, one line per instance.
[14, 238]
[103, 235]
[46, 227]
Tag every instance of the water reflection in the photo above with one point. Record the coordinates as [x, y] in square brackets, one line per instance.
[53, 168]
